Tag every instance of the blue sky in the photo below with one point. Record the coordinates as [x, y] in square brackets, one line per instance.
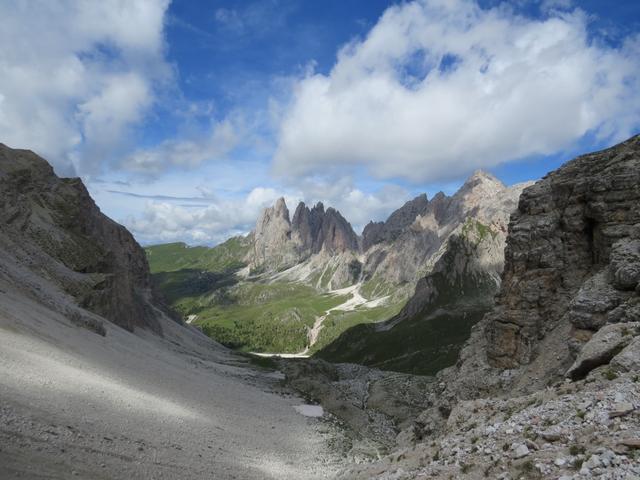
[185, 118]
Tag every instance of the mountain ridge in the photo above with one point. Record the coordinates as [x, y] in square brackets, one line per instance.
[317, 252]
[53, 225]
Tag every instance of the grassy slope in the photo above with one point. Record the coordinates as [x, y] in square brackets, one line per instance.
[172, 257]
[422, 345]
[248, 315]
[265, 317]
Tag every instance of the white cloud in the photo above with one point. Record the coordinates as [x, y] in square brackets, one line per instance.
[359, 207]
[441, 87]
[166, 222]
[76, 76]
[222, 138]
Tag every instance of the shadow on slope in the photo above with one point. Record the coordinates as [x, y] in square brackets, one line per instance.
[427, 335]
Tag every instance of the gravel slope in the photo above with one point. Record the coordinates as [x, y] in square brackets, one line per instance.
[74, 404]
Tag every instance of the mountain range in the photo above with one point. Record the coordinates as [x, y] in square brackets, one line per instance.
[355, 287]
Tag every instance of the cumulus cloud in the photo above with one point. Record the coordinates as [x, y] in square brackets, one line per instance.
[222, 138]
[441, 87]
[358, 206]
[223, 218]
[76, 76]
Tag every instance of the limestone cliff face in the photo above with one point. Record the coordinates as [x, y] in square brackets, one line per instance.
[572, 258]
[317, 229]
[398, 221]
[280, 243]
[273, 248]
[393, 255]
[52, 226]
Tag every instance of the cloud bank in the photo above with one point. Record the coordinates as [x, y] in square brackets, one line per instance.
[441, 87]
[75, 77]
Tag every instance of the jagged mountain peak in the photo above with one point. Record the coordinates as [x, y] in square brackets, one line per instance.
[280, 243]
[483, 176]
[400, 219]
[482, 179]
[280, 208]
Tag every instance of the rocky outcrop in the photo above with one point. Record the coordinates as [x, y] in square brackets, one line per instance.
[568, 307]
[272, 245]
[560, 432]
[413, 248]
[398, 221]
[607, 343]
[52, 229]
[316, 230]
[572, 255]
[280, 243]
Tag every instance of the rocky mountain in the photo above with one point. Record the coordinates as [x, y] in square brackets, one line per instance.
[316, 230]
[52, 228]
[428, 332]
[273, 247]
[398, 221]
[280, 243]
[457, 243]
[547, 385]
[394, 252]
[572, 261]
[317, 256]
[413, 251]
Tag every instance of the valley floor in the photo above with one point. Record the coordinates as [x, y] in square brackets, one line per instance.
[74, 404]
[353, 301]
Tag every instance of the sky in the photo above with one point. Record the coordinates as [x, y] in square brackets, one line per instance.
[186, 118]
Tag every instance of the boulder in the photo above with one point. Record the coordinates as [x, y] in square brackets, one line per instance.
[596, 297]
[608, 342]
[628, 360]
[625, 264]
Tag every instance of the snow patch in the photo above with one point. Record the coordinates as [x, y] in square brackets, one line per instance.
[309, 410]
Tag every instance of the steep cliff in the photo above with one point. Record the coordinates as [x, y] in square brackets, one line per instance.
[51, 228]
[316, 230]
[398, 221]
[273, 248]
[572, 258]
[281, 243]
[547, 385]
